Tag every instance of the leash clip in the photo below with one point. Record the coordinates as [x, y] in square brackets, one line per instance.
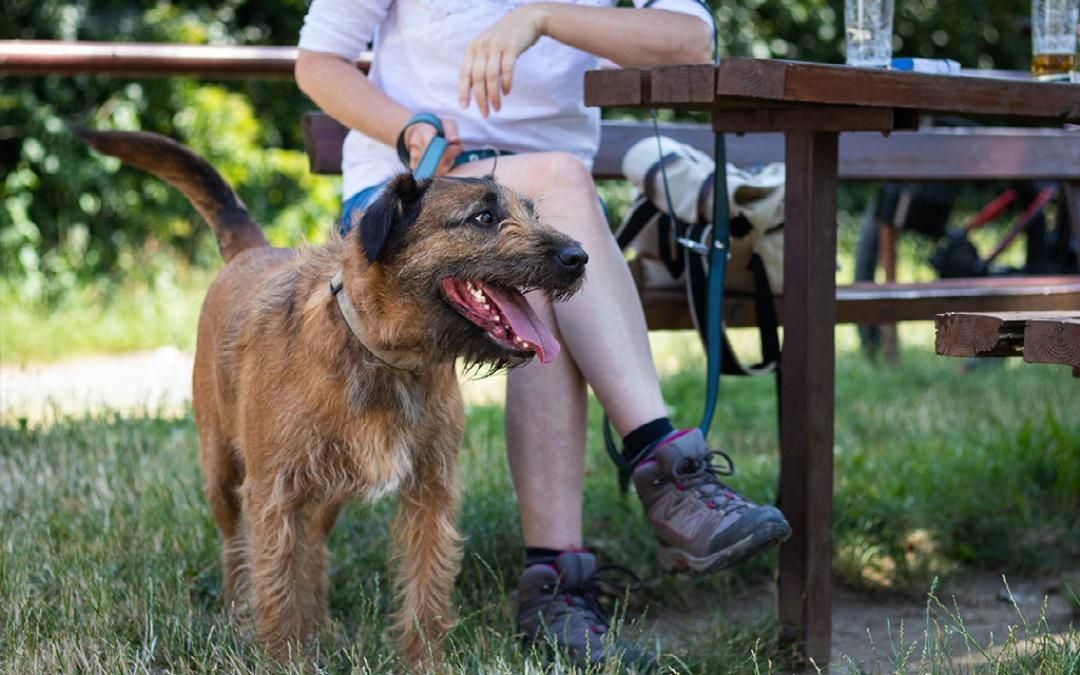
[697, 246]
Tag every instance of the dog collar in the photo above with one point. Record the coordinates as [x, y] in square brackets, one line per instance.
[352, 318]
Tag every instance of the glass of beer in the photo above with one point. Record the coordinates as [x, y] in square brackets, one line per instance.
[868, 27]
[1053, 38]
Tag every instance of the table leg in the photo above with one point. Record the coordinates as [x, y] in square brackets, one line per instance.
[807, 399]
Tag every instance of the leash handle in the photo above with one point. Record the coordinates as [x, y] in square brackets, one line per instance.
[433, 154]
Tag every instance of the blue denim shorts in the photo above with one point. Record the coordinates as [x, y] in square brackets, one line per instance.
[358, 201]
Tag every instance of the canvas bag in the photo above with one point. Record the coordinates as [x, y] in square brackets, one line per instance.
[670, 252]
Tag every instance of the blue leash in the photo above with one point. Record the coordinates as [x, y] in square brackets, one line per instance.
[718, 259]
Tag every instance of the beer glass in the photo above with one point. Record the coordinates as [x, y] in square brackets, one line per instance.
[1053, 38]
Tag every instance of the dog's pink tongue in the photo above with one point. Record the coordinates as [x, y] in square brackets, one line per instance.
[525, 323]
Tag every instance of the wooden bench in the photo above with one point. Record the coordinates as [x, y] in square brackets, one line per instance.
[1039, 337]
[936, 154]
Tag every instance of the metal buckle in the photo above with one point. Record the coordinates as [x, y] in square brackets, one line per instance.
[697, 246]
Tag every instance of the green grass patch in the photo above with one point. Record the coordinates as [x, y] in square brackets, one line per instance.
[103, 318]
[110, 557]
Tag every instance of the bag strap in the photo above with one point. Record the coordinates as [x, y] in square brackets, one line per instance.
[698, 294]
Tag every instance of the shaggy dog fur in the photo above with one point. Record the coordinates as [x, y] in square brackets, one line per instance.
[298, 413]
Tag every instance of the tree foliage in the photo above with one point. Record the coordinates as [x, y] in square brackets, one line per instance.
[68, 215]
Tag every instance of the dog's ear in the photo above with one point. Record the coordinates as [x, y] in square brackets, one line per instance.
[390, 215]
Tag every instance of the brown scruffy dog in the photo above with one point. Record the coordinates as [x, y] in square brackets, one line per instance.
[327, 374]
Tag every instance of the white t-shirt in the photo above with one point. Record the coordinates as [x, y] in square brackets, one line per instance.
[419, 46]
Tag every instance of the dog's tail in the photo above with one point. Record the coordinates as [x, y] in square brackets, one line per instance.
[192, 175]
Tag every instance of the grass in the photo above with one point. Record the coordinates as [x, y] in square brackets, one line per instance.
[102, 318]
[109, 556]
[109, 559]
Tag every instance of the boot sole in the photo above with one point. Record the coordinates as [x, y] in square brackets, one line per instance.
[675, 561]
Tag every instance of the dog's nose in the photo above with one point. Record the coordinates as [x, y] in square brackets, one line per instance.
[573, 257]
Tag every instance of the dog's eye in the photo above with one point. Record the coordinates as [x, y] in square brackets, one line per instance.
[484, 218]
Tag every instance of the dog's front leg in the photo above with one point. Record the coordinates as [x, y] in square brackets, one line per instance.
[277, 555]
[427, 549]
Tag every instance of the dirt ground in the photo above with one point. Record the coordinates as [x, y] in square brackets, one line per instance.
[866, 628]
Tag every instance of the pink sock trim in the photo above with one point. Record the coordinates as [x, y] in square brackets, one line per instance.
[647, 463]
[673, 436]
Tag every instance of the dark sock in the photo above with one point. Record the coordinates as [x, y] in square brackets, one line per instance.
[535, 555]
[637, 444]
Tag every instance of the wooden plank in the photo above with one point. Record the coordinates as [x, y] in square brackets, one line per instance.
[971, 153]
[807, 391]
[625, 86]
[870, 303]
[683, 84]
[763, 80]
[969, 335]
[830, 118]
[965, 95]
[1049, 339]
[794, 82]
[753, 79]
[931, 154]
[51, 57]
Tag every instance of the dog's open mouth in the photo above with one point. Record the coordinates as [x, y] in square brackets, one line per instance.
[505, 316]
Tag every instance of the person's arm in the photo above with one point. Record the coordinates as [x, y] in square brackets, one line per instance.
[333, 35]
[345, 93]
[628, 36]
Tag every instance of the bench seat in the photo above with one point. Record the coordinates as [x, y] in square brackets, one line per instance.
[1038, 336]
[871, 303]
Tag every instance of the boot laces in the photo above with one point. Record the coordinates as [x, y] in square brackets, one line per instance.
[585, 595]
[701, 476]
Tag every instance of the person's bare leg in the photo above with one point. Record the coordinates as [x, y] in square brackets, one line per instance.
[603, 334]
[546, 417]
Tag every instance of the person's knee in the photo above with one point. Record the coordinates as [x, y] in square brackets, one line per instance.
[561, 174]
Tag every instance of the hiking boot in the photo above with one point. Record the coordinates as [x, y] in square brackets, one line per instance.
[702, 525]
[558, 608]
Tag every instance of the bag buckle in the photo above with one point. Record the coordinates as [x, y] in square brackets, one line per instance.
[697, 246]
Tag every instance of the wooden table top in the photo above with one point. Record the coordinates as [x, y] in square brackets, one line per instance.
[751, 84]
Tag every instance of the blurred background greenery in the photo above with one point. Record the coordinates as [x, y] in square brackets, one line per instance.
[73, 221]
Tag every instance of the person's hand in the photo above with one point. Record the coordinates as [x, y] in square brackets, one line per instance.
[488, 69]
[419, 135]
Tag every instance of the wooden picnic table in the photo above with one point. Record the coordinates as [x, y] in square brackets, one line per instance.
[811, 104]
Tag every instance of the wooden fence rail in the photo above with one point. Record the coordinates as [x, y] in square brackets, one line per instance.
[133, 59]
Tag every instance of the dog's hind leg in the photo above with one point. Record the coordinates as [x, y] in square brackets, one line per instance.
[277, 541]
[222, 476]
[427, 549]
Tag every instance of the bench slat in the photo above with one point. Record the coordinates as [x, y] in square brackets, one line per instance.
[968, 153]
[870, 303]
[1040, 337]
[1051, 339]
